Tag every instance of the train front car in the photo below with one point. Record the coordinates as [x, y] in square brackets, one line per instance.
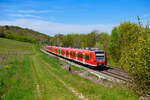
[101, 59]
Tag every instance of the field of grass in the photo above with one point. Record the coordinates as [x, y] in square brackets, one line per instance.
[15, 73]
[28, 74]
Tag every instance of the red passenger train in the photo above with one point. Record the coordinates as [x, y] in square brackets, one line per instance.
[93, 58]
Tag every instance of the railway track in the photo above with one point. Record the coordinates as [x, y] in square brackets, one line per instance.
[115, 75]
[109, 73]
[117, 72]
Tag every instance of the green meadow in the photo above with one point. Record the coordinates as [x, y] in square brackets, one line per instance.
[26, 73]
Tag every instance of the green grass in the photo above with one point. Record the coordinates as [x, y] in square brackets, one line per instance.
[30, 74]
[15, 80]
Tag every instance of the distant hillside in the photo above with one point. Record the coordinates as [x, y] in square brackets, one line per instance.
[23, 34]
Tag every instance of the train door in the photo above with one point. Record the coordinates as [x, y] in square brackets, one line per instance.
[83, 57]
[76, 53]
[87, 57]
[69, 53]
[92, 59]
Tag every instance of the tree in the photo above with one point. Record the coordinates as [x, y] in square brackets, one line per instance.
[58, 39]
[135, 58]
[91, 39]
[102, 41]
[113, 45]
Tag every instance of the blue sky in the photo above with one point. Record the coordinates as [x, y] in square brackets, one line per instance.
[71, 16]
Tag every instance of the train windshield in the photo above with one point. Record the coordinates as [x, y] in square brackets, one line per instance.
[99, 55]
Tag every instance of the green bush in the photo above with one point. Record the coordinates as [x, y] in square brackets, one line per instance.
[135, 59]
[14, 36]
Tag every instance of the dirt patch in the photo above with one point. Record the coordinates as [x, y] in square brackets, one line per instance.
[37, 86]
[145, 98]
[38, 91]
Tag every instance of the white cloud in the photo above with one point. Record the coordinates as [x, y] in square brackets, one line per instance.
[24, 15]
[35, 11]
[30, 11]
[52, 28]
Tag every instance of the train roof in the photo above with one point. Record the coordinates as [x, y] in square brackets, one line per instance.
[79, 49]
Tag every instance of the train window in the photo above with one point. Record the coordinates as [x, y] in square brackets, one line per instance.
[87, 57]
[66, 52]
[81, 56]
[99, 55]
[74, 54]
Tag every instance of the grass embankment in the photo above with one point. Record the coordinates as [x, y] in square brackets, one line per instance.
[33, 75]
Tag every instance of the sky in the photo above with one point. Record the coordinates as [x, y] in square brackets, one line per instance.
[71, 16]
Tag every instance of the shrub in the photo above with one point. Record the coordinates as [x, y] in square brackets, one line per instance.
[135, 59]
